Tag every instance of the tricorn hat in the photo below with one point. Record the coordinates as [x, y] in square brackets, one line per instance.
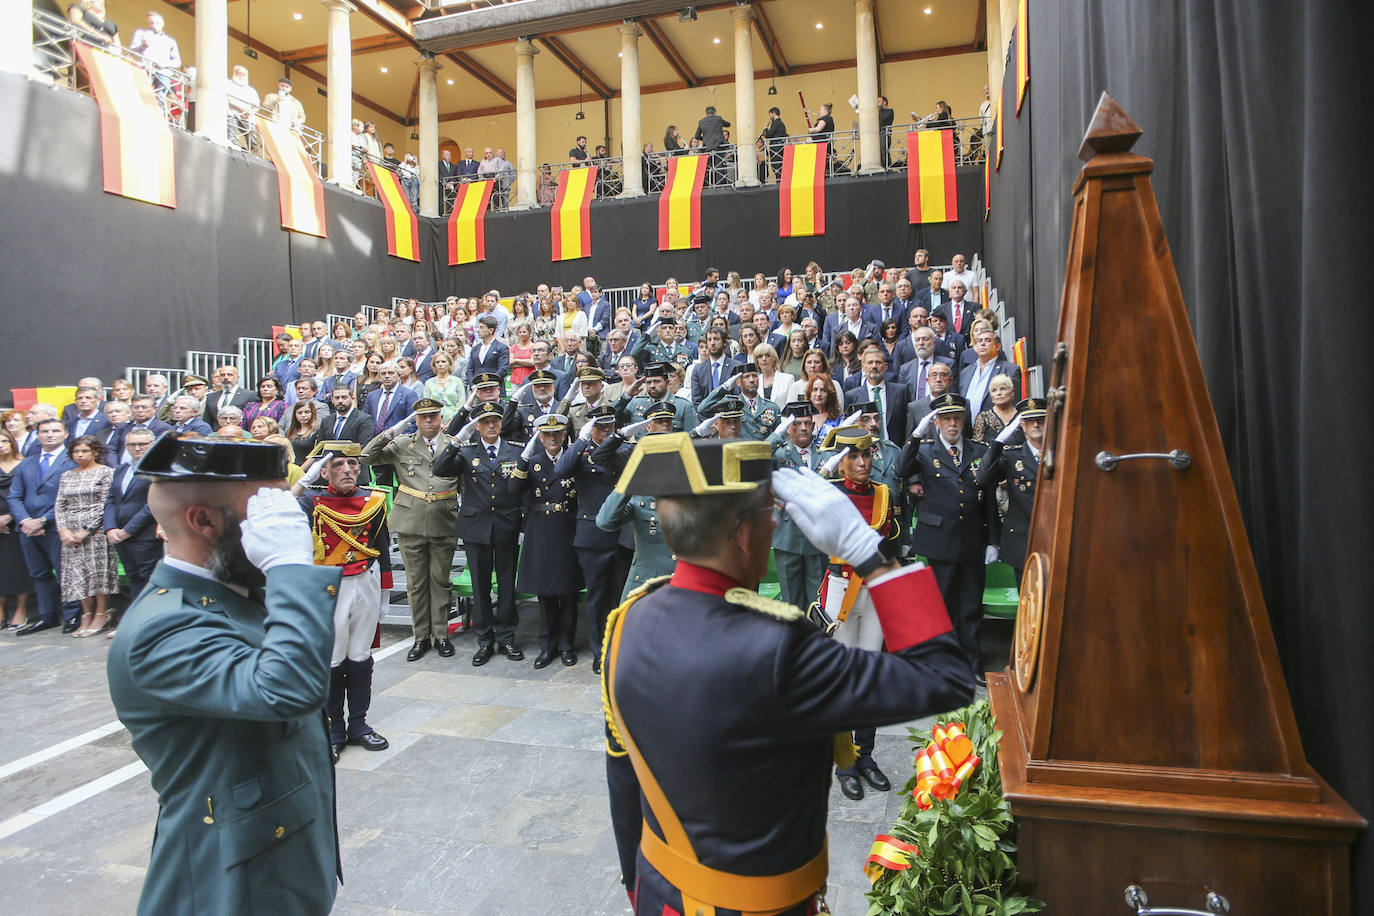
[729, 408]
[675, 464]
[856, 437]
[195, 458]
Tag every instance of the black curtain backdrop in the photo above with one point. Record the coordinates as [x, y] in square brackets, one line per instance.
[1248, 112]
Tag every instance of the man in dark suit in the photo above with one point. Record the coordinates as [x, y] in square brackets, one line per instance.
[933, 295]
[961, 310]
[319, 335]
[488, 354]
[422, 351]
[468, 166]
[915, 370]
[71, 411]
[391, 403]
[228, 393]
[565, 363]
[448, 180]
[887, 307]
[973, 381]
[32, 503]
[185, 416]
[885, 118]
[905, 297]
[111, 438]
[489, 526]
[939, 380]
[144, 410]
[346, 422]
[88, 420]
[872, 385]
[37, 413]
[129, 526]
[600, 315]
[850, 319]
[947, 341]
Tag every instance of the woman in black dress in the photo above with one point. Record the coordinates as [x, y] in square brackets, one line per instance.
[14, 572]
[305, 420]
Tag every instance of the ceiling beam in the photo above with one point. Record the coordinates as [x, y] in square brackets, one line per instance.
[482, 75]
[670, 53]
[770, 39]
[371, 44]
[388, 17]
[570, 60]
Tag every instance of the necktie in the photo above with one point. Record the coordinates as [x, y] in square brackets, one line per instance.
[715, 375]
[338, 425]
[878, 399]
[430, 445]
[954, 453]
[44, 463]
[958, 316]
[921, 379]
[491, 452]
[386, 407]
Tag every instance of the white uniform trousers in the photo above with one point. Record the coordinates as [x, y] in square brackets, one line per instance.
[861, 628]
[356, 615]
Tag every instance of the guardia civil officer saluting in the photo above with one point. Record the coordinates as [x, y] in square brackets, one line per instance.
[703, 676]
[800, 565]
[220, 670]
[652, 558]
[1018, 463]
[422, 517]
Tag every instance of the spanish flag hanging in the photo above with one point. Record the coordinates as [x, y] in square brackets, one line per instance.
[570, 221]
[1022, 54]
[57, 397]
[930, 188]
[402, 229]
[801, 192]
[679, 204]
[1018, 353]
[298, 184]
[135, 139]
[998, 163]
[467, 232]
[987, 184]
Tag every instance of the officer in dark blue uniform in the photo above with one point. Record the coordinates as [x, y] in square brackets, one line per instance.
[539, 399]
[703, 676]
[550, 570]
[957, 526]
[488, 524]
[487, 388]
[604, 561]
[1016, 459]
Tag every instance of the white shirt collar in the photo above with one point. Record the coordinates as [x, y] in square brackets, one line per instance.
[203, 573]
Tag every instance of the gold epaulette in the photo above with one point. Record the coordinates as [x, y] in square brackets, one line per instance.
[611, 620]
[780, 610]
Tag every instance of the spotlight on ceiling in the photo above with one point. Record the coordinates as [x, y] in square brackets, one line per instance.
[249, 52]
[687, 14]
[772, 90]
[579, 116]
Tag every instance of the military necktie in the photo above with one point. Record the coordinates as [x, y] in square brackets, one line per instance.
[491, 452]
[954, 453]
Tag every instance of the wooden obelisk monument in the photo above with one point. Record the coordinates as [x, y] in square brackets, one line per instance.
[1149, 740]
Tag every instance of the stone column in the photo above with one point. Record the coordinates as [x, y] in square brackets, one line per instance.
[866, 58]
[16, 38]
[526, 181]
[631, 141]
[339, 85]
[746, 169]
[997, 47]
[212, 69]
[428, 105]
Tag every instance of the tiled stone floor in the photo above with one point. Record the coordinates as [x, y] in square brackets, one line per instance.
[491, 799]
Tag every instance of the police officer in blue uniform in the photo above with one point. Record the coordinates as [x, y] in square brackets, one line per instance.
[550, 569]
[220, 671]
[703, 676]
[488, 524]
[1016, 460]
[538, 399]
[957, 526]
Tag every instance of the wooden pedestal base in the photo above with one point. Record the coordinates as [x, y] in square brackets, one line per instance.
[1081, 846]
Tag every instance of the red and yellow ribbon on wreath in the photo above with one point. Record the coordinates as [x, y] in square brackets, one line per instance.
[943, 765]
[888, 853]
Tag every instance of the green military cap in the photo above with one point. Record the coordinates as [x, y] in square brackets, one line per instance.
[189, 380]
[486, 380]
[856, 437]
[1031, 408]
[427, 405]
[950, 403]
[675, 464]
[196, 458]
[590, 374]
[488, 411]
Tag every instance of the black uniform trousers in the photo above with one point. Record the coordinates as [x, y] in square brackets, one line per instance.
[961, 584]
[557, 622]
[482, 559]
[604, 572]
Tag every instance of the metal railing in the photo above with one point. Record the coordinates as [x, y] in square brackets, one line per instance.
[205, 362]
[720, 168]
[502, 194]
[243, 133]
[54, 57]
[255, 358]
[138, 376]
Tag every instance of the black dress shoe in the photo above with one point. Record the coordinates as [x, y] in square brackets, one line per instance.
[482, 655]
[418, 650]
[334, 749]
[544, 658]
[443, 647]
[850, 785]
[570, 658]
[370, 742]
[511, 651]
[874, 776]
[71, 626]
[38, 626]
[596, 664]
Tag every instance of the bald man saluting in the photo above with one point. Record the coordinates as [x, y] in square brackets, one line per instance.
[220, 670]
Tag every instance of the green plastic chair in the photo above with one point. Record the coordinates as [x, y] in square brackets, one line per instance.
[1000, 596]
[772, 574]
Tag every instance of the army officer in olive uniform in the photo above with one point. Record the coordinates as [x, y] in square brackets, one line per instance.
[489, 526]
[1018, 463]
[220, 671]
[422, 518]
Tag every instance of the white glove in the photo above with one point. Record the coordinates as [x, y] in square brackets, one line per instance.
[781, 429]
[991, 554]
[396, 430]
[634, 429]
[825, 515]
[586, 432]
[465, 434]
[531, 447]
[1009, 430]
[851, 419]
[275, 531]
[515, 395]
[834, 461]
[705, 426]
[924, 425]
[317, 468]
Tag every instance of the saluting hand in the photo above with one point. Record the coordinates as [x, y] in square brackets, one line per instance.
[275, 532]
[1009, 430]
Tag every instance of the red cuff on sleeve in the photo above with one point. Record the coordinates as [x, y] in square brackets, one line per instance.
[386, 581]
[909, 608]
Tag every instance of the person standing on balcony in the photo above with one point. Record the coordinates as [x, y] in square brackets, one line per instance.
[469, 166]
[160, 53]
[711, 133]
[91, 15]
[284, 107]
[448, 181]
[672, 140]
[773, 136]
[243, 99]
[579, 150]
[822, 131]
[885, 118]
[505, 175]
[409, 170]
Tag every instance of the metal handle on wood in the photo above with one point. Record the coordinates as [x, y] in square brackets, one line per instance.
[1178, 459]
[1215, 904]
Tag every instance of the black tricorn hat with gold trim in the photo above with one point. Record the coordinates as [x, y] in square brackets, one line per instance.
[675, 464]
[193, 458]
[342, 448]
[856, 437]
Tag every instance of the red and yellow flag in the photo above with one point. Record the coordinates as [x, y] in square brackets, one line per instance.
[467, 224]
[402, 229]
[1022, 54]
[679, 204]
[570, 220]
[998, 164]
[135, 139]
[1018, 354]
[888, 852]
[59, 396]
[801, 192]
[298, 184]
[931, 192]
[987, 185]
